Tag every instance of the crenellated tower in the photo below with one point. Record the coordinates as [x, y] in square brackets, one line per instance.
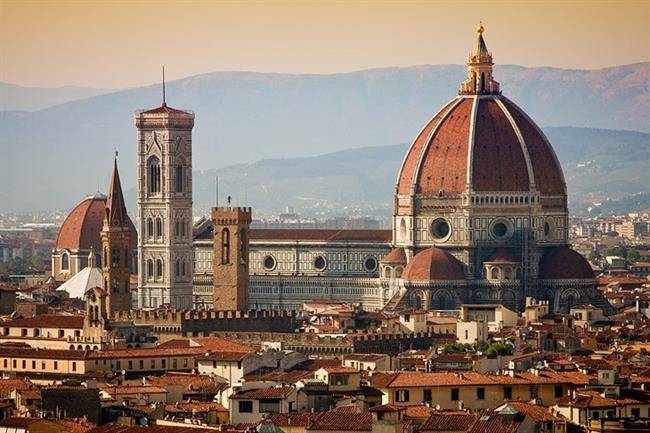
[230, 257]
[164, 215]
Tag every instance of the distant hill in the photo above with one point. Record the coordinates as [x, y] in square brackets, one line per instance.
[53, 157]
[20, 98]
[598, 164]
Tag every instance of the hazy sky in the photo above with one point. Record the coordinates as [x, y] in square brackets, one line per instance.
[123, 43]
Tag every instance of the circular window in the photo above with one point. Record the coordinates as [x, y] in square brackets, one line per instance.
[269, 263]
[370, 264]
[440, 228]
[320, 263]
[500, 230]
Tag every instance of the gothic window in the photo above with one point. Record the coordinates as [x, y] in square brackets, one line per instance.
[150, 231]
[154, 175]
[65, 262]
[225, 246]
[159, 229]
[177, 228]
[116, 257]
[150, 269]
[177, 270]
[482, 82]
[159, 268]
[183, 268]
[179, 178]
[242, 245]
[183, 228]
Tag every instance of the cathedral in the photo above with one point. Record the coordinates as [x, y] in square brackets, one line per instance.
[480, 216]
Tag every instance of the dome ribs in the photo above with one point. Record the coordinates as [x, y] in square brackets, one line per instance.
[444, 165]
[410, 164]
[546, 169]
[498, 162]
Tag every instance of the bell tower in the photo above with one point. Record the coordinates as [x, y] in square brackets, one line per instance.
[164, 208]
[230, 257]
[116, 249]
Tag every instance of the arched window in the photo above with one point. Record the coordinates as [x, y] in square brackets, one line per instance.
[150, 231]
[150, 269]
[116, 257]
[154, 175]
[179, 178]
[177, 270]
[159, 229]
[183, 228]
[159, 268]
[482, 82]
[177, 228]
[242, 245]
[474, 81]
[494, 274]
[225, 246]
[65, 262]
[183, 268]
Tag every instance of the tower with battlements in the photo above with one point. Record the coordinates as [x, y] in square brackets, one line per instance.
[230, 257]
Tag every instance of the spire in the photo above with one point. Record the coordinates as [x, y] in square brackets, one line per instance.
[479, 69]
[164, 103]
[115, 209]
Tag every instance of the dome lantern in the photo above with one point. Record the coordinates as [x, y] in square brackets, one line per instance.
[479, 70]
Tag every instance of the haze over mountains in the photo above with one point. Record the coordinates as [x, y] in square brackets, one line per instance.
[53, 157]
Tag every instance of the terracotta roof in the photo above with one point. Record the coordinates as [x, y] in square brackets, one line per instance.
[31, 353]
[47, 321]
[396, 257]
[117, 428]
[564, 263]
[448, 421]
[293, 419]
[145, 353]
[342, 421]
[8, 385]
[438, 158]
[502, 255]
[537, 412]
[278, 392]
[82, 228]
[493, 422]
[131, 390]
[321, 235]
[192, 383]
[225, 356]
[198, 406]
[340, 369]
[433, 264]
[165, 109]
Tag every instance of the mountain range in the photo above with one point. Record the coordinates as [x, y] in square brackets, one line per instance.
[54, 156]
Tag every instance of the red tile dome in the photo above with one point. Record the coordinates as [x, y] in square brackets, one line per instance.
[433, 264]
[482, 140]
[562, 263]
[82, 228]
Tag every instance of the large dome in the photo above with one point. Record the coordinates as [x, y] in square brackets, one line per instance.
[82, 228]
[563, 263]
[485, 142]
[480, 142]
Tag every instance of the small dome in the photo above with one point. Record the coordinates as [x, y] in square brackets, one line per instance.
[396, 257]
[433, 264]
[502, 255]
[82, 228]
[563, 263]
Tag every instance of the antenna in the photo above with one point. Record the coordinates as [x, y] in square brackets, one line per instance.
[163, 85]
[216, 181]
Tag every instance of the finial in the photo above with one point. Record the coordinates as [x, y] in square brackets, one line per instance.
[163, 86]
[116, 153]
[480, 29]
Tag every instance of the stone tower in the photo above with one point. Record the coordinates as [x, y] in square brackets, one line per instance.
[116, 249]
[164, 214]
[230, 257]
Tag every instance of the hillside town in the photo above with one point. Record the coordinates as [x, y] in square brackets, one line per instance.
[484, 308]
